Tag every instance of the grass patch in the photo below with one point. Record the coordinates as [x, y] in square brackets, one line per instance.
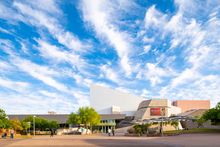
[191, 131]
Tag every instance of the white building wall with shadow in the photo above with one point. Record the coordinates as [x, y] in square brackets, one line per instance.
[108, 101]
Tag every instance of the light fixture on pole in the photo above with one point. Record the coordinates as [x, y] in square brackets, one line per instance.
[34, 124]
[163, 115]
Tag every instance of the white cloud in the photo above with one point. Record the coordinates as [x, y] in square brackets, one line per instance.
[148, 40]
[40, 104]
[187, 66]
[9, 14]
[145, 93]
[154, 18]
[81, 80]
[5, 66]
[200, 54]
[6, 46]
[62, 100]
[40, 18]
[46, 18]
[205, 87]
[154, 73]
[14, 85]
[102, 84]
[109, 73]
[99, 15]
[4, 31]
[185, 77]
[58, 55]
[49, 6]
[82, 99]
[78, 78]
[147, 48]
[24, 47]
[49, 94]
[41, 73]
[199, 41]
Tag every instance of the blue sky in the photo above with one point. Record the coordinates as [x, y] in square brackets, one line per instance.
[52, 51]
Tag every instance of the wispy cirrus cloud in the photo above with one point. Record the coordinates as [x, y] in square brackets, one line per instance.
[99, 14]
[60, 55]
[41, 73]
[109, 73]
[54, 50]
[154, 73]
[13, 85]
[36, 16]
[192, 36]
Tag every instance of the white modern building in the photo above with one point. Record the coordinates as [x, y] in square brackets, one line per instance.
[111, 102]
[108, 101]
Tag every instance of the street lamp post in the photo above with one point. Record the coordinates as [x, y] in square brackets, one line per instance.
[34, 124]
[162, 127]
[163, 113]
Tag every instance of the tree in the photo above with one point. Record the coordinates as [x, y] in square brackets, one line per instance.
[4, 122]
[86, 116]
[16, 125]
[74, 119]
[213, 115]
[41, 123]
[29, 119]
[53, 124]
[25, 125]
[93, 117]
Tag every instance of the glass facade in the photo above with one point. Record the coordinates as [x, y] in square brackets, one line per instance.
[104, 125]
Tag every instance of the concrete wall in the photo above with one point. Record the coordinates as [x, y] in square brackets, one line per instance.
[173, 110]
[102, 99]
[192, 104]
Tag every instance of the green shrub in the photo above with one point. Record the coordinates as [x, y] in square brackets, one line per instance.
[131, 130]
[175, 123]
[200, 121]
[213, 114]
[141, 129]
[138, 129]
[155, 123]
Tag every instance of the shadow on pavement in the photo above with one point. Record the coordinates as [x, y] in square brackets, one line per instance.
[124, 143]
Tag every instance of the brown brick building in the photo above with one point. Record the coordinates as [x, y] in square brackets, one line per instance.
[186, 105]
